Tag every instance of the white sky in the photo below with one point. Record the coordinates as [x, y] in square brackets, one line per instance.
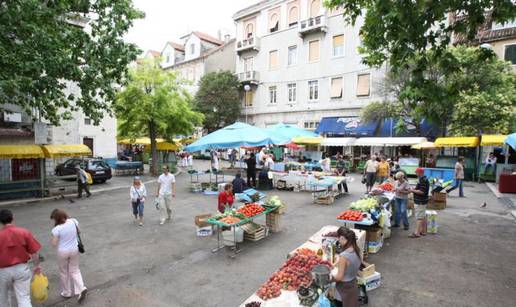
[168, 20]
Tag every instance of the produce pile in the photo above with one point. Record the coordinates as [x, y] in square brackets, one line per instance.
[294, 273]
[305, 251]
[364, 205]
[386, 186]
[351, 215]
[253, 304]
[250, 210]
[229, 220]
[274, 201]
[331, 234]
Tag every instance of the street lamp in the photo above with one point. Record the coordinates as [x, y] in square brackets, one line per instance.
[247, 88]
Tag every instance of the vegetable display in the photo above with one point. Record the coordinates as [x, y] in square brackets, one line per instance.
[250, 210]
[386, 186]
[274, 201]
[229, 220]
[295, 272]
[305, 251]
[364, 205]
[351, 215]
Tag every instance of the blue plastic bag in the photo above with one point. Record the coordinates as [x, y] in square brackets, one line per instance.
[324, 301]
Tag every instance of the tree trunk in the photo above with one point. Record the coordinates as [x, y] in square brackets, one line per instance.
[154, 151]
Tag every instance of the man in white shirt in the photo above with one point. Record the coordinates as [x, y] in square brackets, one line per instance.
[166, 190]
[370, 169]
[490, 163]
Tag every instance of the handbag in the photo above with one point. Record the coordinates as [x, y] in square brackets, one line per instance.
[80, 246]
[364, 180]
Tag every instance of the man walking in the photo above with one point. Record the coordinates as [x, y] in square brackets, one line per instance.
[459, 177]
[166, 190]
[17, 246]
[82, 182]
[420, 201]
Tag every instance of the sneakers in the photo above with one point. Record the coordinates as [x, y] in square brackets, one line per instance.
[65, 296]
[162, 222]
[141, 224]
[82, 296]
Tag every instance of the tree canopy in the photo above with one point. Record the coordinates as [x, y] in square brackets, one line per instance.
[153, 104]
[49, 46]
[218, 99]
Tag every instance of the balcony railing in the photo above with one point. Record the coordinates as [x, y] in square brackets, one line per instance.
[251, 43]
[251, 76]
[313, 24]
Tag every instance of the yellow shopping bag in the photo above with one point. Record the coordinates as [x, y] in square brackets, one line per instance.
[39, 288]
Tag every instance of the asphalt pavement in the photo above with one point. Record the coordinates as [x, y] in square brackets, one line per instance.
[470, 262]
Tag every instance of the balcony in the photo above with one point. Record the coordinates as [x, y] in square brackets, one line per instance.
[249, 77]
[312, 25]
[251, 43]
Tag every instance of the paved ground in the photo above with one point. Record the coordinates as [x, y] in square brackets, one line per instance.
[469, 263]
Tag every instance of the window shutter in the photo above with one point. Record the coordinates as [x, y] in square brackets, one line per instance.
[315, 6]
[293, 15]
[363, 85]
[249, 98]
[338, 40]
[336, 88]
[273, 59]
[313, 51]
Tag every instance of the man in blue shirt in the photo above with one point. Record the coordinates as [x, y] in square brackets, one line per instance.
[238, 184]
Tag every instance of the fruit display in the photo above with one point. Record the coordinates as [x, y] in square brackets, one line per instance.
[253, 304]
[331, 234]
[250, 210]
[364, 205]
[386, 186]
[294, 273]
[229, 220]
[305, 251]
[351, 215]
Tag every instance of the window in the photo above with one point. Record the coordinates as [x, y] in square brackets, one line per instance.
[311, 125]
[293, 15]
[273, 94]
[273, 59]
[313, 51]
[249, 29]
[338, 45]
[315, 6]
[363, 85]
[248, 99]
[192, 48]
[292, 89]
[313, 90]
[336, 88]
[248, 64]
[274, 20]
[510, 54]
[87, 121]
[168, 57]
[292, 55]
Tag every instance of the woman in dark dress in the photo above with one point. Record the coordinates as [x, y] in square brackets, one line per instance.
[251, 170]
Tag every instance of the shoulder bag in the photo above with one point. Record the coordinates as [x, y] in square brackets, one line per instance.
[80, 246]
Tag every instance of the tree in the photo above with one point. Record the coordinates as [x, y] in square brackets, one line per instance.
[397, 31]
[154, 105]
[218, 99]
[46, 45]
[456, 94]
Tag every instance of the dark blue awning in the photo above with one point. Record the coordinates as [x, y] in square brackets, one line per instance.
[346, 126]
[388, 129]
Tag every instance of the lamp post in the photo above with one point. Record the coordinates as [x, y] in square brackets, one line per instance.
[247, 88]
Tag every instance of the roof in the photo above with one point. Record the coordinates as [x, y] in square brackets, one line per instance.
[154, 53]
[485, 33]
[208, 38]
[204, 54]
[15, 132]
[176, 46]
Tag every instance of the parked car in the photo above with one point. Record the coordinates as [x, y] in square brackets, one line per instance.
[98, 168]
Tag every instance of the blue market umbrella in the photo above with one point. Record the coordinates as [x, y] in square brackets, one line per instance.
[282, 134]
[232, 136]
[511, 140]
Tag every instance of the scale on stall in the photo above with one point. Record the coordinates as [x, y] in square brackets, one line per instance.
[320, 284]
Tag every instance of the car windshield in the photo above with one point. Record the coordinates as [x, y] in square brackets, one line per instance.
[97, 164]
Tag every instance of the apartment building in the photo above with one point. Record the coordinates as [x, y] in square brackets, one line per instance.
[298, 62]
[197, 55]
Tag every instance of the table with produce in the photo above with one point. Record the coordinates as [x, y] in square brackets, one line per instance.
[233, 218]
[294, 283]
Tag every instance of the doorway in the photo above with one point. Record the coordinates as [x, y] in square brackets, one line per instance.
[88, 142]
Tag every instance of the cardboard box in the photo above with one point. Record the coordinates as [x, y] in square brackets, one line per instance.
[374, 247]
[272, 220]
[204, 231]
[431, 221]
[374, 234]
[439, 196]
[436, 205]
[200, 220]
[371, 282]
[367, 271]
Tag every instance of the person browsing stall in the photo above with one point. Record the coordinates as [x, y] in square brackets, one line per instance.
[384, 170]
[370, 169]
[347, 265]
[238, 184]
[340, 170]
[401, 188]
[226, 198]
[420, 201]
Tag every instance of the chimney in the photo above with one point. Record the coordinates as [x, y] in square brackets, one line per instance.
[226, 38]
[219, 35]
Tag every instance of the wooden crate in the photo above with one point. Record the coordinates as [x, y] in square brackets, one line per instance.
[272, 220]
[325, 200]
[253, 231]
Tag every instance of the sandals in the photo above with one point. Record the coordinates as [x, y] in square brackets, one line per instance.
[414, 236]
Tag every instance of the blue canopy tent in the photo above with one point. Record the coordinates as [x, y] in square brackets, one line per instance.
[345, 126]
[388, 129]
[232, 136]
[511, 140]
[282, 134]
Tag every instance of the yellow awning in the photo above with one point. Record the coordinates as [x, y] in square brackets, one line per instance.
[308, 140]
[424, 145]
[492, 139]
[139, 141]
[165, 146]
[61, 151]
[457, 141]
[20, 152]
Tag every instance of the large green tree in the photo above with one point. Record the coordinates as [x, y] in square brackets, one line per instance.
[472, 94]
[153, 104]
[218, 99]
[45, 46]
